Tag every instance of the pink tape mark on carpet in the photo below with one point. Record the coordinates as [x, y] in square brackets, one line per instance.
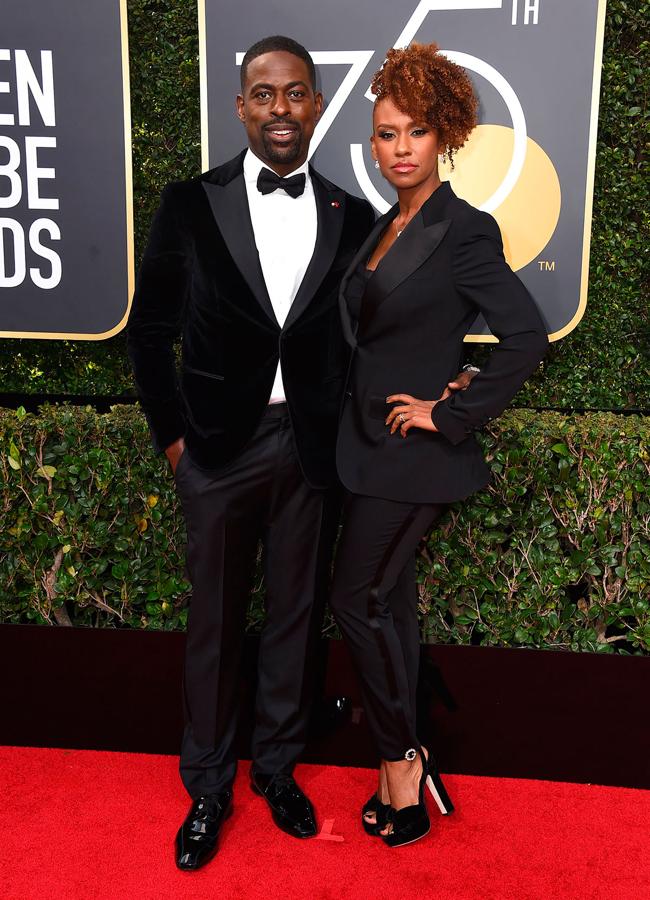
[326, 832]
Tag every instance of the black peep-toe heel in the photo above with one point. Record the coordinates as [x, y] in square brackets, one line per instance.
[380, 810]
[412, 823]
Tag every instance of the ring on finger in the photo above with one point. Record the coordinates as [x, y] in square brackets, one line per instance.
[402, 419]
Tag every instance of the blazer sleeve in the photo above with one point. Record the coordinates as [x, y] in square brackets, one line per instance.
[155, 321]
[483, 277]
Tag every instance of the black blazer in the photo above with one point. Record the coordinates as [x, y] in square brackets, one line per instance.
[201, 279]
[445, 267]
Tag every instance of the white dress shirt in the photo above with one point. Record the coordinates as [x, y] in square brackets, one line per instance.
[285, 236]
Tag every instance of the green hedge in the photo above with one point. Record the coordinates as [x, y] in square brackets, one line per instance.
[602, 364]
[556, 553]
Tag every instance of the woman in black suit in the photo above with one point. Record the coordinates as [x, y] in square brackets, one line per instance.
[407, 301]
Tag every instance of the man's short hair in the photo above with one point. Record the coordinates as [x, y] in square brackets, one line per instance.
[273, 44]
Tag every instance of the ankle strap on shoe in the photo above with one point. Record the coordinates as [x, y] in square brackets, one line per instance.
[409, 755]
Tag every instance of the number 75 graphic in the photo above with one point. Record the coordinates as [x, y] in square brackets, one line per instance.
[358, 61]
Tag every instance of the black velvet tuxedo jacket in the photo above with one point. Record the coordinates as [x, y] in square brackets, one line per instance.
[446, 266]
[201, 279]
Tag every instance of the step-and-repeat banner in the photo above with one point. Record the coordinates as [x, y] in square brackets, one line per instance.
[530, 162]
[66, 234]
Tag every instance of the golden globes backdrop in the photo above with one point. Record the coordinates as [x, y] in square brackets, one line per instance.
[536, 67]
[66, 245]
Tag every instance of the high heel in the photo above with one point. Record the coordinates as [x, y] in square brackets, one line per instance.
[380, 810]
[412, 822]
[438, 790]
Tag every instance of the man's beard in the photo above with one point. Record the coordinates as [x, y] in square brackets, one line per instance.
[287, 154]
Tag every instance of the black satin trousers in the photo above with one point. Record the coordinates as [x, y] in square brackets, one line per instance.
[374, 602]
[261, 496]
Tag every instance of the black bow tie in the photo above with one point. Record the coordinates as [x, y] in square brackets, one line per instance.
[268, 181]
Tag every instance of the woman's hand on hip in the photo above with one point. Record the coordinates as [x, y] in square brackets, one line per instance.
[414, 413]
[410, 413]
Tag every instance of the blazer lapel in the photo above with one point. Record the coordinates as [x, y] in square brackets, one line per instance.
[229, 205]
[362, 253]
[413, 247]
[330, 208]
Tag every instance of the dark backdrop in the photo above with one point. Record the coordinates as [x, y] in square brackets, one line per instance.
[603, 364]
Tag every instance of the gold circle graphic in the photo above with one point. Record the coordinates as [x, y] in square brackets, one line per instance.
[529, 214]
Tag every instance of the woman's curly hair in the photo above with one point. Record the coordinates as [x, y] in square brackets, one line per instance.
[430, 88]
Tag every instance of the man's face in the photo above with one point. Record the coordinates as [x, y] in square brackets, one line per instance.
[279, 109]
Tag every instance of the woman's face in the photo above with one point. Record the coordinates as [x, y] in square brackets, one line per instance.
[407, 151]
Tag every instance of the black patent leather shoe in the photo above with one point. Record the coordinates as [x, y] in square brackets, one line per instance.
[196, 841]
[290, 808]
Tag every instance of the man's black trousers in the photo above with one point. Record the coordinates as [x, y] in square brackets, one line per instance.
[261, 495]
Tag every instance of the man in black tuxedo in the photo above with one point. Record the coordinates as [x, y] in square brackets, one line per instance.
[244, 264]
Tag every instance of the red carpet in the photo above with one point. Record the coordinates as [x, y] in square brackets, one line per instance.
[82, 824]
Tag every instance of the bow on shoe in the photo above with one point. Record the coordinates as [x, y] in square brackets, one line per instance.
[268, 181]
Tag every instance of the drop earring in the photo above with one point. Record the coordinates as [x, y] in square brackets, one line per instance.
[376, 164]
[443, 157]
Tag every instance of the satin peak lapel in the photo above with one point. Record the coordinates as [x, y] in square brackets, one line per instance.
[412, 248]
[229, 205]
[330, 209]
[362, 254]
